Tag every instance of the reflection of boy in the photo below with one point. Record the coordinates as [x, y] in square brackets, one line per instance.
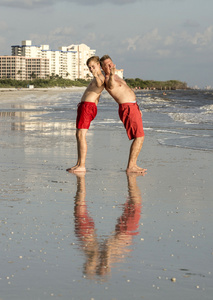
[100, 256]
[87, 110]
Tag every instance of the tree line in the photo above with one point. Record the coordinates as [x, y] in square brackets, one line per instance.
[42, 83]
[55, 81]
[158, 85]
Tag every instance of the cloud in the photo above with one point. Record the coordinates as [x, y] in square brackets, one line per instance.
[91, 37]
[203, 39]
[191, 24]
[132, 42]
[143, 42]
[163, 52]
[64, 36]
[59, 36]
[169, 40]
[116, 2]
[62, 31]
[26, 3]
[176, 44]
[43, 3]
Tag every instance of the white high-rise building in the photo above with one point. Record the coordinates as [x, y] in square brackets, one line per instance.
[83, 52]
[66, 62]
[27, 50]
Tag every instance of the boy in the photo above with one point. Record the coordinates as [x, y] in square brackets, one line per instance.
[129, 112]
[87, 111]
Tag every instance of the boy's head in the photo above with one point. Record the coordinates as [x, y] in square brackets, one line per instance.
[103, 58]
[106, 63]
[93, 63]
[93, 58]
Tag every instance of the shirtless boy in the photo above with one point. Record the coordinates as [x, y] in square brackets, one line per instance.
[129, 112]
[87, 111]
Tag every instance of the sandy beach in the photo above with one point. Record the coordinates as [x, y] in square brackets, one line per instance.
[103, 235]
[13, 93]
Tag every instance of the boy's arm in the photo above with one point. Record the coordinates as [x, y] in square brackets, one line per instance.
[99, 80]
[111, 81]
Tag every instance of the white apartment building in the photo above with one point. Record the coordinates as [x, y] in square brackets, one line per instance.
[83, 52]
[23, 68]
[39, 61]
[27, 50]
[66, 62]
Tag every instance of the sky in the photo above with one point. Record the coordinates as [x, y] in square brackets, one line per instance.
[149, 39]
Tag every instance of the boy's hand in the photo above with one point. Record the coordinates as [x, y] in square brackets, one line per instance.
[112, 70]
[94, 73]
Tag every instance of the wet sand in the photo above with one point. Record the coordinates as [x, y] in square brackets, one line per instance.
[102, 235]
[7, 94]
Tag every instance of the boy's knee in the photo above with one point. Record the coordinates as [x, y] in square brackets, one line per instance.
[81, 133]
[140, 138]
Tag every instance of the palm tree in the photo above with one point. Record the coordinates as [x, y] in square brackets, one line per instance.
[33, 75]
[19, 72]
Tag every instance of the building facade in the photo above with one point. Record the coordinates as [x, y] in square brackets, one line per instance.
[83, 52]
[66, 62]
[39, 61]
[23, 68]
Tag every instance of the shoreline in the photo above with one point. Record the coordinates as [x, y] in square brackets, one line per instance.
[12, 93]
[57, 89]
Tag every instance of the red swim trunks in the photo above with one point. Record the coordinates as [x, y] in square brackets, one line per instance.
[86, 112]
[84, 225]
[130, 115]
[129, 221]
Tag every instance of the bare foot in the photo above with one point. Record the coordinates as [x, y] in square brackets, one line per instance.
[76, 169]
[71, 169]
[136, 169]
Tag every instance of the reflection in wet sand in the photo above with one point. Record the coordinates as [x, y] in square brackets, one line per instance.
[101, 256]
[30, 121]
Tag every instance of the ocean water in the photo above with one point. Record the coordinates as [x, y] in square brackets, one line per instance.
[179, 118]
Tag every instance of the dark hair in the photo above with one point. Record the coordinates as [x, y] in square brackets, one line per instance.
[95, 58]
[103, 58]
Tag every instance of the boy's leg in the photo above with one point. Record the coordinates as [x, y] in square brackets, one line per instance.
[77, 164]
[82, 151]
[82, 147]
[133, 156]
